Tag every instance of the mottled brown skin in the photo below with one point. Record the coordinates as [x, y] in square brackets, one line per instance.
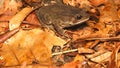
[60, 16]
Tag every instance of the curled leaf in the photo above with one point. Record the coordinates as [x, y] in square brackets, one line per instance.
[19, 17]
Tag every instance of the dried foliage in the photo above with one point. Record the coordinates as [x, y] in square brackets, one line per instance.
[24, 43]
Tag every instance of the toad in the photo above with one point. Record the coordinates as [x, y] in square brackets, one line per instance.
[60, 16]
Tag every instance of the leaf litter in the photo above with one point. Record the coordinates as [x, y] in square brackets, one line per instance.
[28, 45]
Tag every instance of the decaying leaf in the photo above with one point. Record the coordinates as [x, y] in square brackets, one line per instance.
[85, 50]
[113, 63]
[103, 57]
[32, 19]
[71, 65]
[79, 62]
[10, 5]
[32, 46]
[79, 3]
[19, 17]
[79, 58]
[108, 15]
[97, 2]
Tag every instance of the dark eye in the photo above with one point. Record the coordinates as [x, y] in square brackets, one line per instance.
[78, 17]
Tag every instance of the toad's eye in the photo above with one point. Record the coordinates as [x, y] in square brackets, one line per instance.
[78, 17]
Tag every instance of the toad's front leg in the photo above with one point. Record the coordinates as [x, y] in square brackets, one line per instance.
[60, 31]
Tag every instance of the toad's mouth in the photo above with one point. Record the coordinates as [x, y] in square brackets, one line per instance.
[77, 22]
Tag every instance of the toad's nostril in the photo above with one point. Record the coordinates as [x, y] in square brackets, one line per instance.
[78, 17]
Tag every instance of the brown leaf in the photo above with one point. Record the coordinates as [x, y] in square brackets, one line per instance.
[85, 50]
[103, 57]
[19, 17]
[70, 65]
[32, 46]
[107, 25]
[11, 5]
[109, 12]
[79, 3]
[97, 2]
[32, 19]
[79, 58]
[113, 63]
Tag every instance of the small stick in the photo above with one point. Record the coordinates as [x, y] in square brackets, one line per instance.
[7, 35]
[58, 53]
[104, 39]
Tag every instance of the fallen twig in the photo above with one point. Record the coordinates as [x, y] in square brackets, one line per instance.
[103, 39]
[80, 50]
[5, 36]
[68, 51]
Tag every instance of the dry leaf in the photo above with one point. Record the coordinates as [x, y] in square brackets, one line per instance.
[102, 58]
[79, 3]
[4, 6]
[10, 5]
[19, 17]
[85, 50]
[14, 5]
[79, 58]
[97, 2]
[70, 65]
[30, 46]
[113, 62]
[108, 13]
[32, 19]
